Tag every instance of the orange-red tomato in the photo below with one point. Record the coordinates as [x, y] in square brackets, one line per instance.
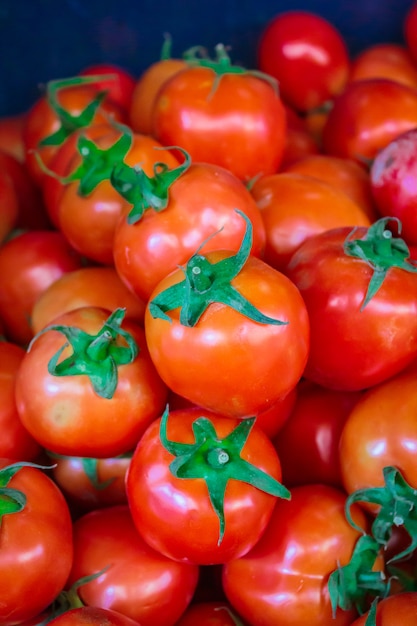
[92, 616]
[409, 28]
[11, 135]
[209, 614]
[385, 60]
[117, 81]
[299, 141]
[9, 205]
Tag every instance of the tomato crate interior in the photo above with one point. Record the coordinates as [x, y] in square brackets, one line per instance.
[208, 313]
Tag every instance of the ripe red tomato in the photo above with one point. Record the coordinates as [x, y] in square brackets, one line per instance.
[174, 513]
[16, 442]
[385, 60]
[9, 205]
[117, 81]
[225, 117]
[90, 616]
[409, 26]
[139, 582]
[307, 55]
[282, 581]
[209, 614]
[367, 116]
[400, 608]
[64, 411]
[200, 211]
[11, 135]
[299, 142]
[29, 263]
[363, 322]
[393, 174]
[36, 542]
[213, 347]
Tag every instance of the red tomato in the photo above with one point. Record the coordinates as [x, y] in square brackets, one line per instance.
[296, 206]
[299, 141]
[86, 286]
[11, 135]
[139, 582]
[69, 416]
[202, 202]
[235, 120]
[15, 442]
[400, 608]
[36, 543]
[360, 334]
[117, 81]
[393, 182]
[307, 55]
[385, 60]
[29, 263]
[272, 419]
[308, 442]
[90, 615]
[9, 205]
[367, 116]
[174, 513]
[410, 26]
[209, 614]
[282, 581]
[225, 360]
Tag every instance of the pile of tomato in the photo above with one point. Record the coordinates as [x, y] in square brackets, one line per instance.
[208, 362]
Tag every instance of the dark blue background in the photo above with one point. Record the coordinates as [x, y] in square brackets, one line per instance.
[46, 39]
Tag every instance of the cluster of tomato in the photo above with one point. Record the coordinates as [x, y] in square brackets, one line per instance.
[208, 302]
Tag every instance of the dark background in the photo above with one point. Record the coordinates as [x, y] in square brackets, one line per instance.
[42, 40]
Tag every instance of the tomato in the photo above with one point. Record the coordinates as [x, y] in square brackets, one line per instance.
[307, 55]
[236, 340]
[344, 174]
[385, 60]
[392, 176]
[43, 119]
[16, 443]
[173, 511]
[117, 81]
[380, 431]
[11, 135]
[90, 615]
[296, 206]
[282, 581]
[86, 286]
[367, 116]
[29, 263]
[409, 27]
[209, 614]
[222, 116]
[9, 206]
[139, 582]
[308, 442]
[363, 321]
[272, 419]
[299, 141]
[400, 608]
[36, 543]
[200, 211]
[99, 401]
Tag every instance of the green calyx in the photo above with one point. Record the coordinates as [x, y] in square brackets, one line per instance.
[70, 123]
[143, 191]
[381, 251]
[397, 502]
[13, 500]
[353, 585]
[207, 282]
[96, 356]
[217, 461]
[221, 65]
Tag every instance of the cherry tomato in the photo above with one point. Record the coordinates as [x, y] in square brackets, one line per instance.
[294, 207]
[385, 60]
[11, 135]
[282, 581]
[99, 402]
[307, 55]
[174, 513]
[367, 116]
[36, 542]
[139, 582]
[117, 81]
[29, 263]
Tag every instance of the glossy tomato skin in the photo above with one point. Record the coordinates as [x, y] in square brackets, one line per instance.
[202, 203]
[409, 27]
[36, 547]
[227, 362]
[209, 614]
[282, 581]
[139, 582]
[307, 55]
[90, 616]
[175, 515]
[29, 263]
[117, 81]
[238, 124]
[367, 116]
[352, 349]
[380, 431]
[385, 60]
[392, 176]
[66, 416]
[400, 608]
[16, 442]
